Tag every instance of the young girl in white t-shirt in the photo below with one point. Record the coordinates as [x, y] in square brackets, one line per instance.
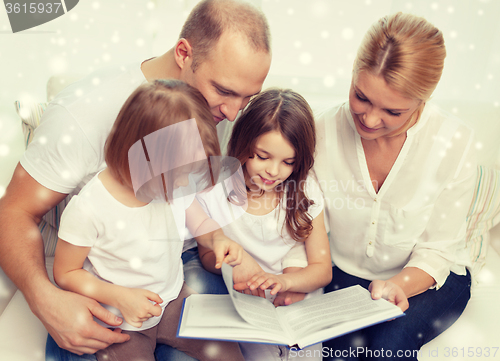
[121, 238]
[274, 140]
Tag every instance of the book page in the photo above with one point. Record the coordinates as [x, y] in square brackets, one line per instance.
[214, 317]
[331, 309]
[255, 310]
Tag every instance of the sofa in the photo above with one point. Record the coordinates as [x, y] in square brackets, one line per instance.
[474, 336]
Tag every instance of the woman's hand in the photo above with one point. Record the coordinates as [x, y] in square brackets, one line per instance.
[389, 291]
[138, 305]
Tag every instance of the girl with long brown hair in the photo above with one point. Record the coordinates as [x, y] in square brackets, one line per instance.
[274, 140]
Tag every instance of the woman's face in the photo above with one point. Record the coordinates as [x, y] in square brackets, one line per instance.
[377, 109]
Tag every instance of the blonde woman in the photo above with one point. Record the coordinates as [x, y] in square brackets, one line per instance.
[404, 172]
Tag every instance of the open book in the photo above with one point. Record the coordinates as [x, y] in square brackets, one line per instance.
[240, 317]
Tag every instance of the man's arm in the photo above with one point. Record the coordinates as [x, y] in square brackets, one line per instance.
[66, 315]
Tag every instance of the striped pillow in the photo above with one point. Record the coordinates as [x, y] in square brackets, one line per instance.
[30, 115]
[484, 213]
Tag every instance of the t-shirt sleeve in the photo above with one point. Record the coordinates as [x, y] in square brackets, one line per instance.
[296, 256]
[60, 155]
[314, 193]
[78, 224]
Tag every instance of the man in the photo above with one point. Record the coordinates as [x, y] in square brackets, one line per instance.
[223, 50]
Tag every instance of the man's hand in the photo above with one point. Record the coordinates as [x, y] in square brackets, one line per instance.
[136, 306]
[288, 297]
[244, 272]
[68, 317]
[389, 291]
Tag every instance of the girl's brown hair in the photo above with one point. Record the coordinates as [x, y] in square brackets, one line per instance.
[408, 52]
[151, 107]
[288, 113]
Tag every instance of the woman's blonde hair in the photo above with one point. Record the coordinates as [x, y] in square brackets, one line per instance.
[408, 52]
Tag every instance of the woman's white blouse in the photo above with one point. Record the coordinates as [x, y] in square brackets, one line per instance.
[417, 218]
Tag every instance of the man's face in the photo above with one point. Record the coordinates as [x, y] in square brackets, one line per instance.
[230, 75]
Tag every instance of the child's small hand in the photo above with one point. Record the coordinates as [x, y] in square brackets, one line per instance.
[266, 280]
[227, 251]
[136, 306]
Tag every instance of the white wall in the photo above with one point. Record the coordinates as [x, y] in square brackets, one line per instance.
[314, 43]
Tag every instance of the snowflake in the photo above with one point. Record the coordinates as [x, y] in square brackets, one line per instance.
[305, 58]
[115, 38]
[347, 34]
[58, 65]
[329, 81]
[135, 263]
[66, 139]
[212, 350]
[121, 225]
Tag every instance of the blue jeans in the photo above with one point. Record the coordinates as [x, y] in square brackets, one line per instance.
[195, 277]
[430, 313]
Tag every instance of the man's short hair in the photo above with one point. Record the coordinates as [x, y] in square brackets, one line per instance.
[210, 18]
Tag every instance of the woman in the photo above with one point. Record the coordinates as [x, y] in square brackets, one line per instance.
[397, 174]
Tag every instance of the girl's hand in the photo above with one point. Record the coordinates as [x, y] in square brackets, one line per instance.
[227, 251]
[266, 280]
[288, 297]
[389, 291]
[136, 306]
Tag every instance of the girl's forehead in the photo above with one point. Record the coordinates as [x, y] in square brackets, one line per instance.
[275, 142]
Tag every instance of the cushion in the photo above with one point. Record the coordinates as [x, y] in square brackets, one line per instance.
[484, 214]
[30, 115]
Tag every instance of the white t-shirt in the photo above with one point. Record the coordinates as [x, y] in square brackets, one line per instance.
[68, 146]
[133, 247]
[264, 237]
[417, 218]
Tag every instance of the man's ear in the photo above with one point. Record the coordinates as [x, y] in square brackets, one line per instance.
[183, 53]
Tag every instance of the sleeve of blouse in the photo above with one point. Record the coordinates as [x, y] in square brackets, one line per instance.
[436, 250]
[314, 193]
